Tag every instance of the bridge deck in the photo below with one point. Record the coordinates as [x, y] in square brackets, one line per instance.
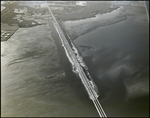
[74, 61]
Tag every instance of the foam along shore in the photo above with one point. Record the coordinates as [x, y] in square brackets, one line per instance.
[80, 27]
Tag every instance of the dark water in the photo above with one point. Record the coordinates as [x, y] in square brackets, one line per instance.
[118, 59]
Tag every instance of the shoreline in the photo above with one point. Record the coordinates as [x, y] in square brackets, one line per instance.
[87, 25]
[80, 27]
[91, 10]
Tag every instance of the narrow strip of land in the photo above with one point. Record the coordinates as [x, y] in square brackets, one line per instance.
[75, 63]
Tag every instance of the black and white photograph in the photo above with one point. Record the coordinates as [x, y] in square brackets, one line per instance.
[74, 58]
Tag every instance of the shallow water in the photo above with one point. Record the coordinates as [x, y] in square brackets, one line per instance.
[34, 83]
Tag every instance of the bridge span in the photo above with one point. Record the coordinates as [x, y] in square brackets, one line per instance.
[79, 67]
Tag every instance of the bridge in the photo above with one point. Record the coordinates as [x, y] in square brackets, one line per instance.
[79, 67]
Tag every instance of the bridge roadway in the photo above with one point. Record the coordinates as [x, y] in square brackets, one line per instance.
[77, 68]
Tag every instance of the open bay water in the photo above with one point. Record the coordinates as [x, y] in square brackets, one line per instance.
[117, 56]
